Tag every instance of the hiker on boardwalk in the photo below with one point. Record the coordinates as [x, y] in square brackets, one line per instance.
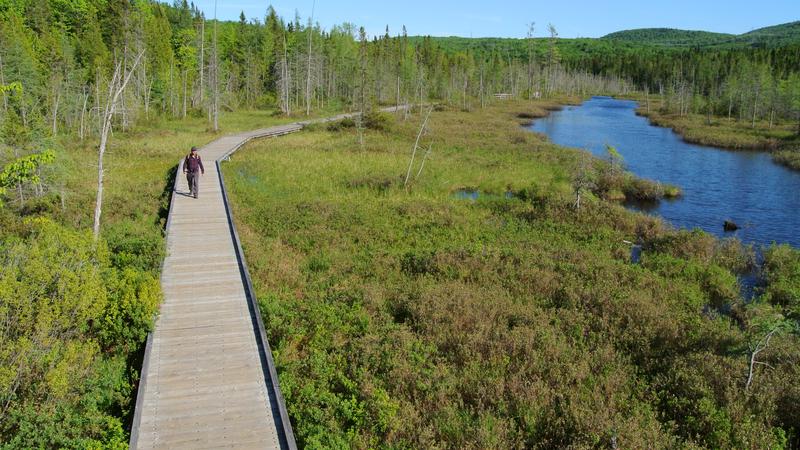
[193, 167]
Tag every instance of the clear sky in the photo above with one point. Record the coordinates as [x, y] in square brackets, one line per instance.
[508, 18]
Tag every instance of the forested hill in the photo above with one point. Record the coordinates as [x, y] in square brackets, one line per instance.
[774, 36]
[788, 33]
[670, 37]
[777, 36]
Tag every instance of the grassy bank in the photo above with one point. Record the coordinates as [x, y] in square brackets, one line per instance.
[412, 317]
[780, 139]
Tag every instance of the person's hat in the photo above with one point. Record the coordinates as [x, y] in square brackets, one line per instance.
[194, 149]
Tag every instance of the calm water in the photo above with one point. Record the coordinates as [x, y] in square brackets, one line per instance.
[718, 185]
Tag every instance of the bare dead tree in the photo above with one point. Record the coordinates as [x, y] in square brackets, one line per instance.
[424, 158]
[482, 90]
[216, 73]
[82, 130]
[583, 179]
[422, 130]
[284, 79]
[116, 87]
[3, 83]
[308, 69]
[56, 101]
[202, 61]
[759, 347]
[529, 37]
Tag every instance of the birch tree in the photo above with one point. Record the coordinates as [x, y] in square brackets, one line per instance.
[116, 88]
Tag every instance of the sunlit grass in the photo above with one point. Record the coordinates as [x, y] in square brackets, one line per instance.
[140, 164]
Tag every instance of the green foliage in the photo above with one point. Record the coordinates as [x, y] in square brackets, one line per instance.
[613, 183]
[15, 87]
[669, 37]
[788, 158]
[70, 321]
[614, 157]
[24, 171]
[784, 34]
[135, 244]
[134, 297]
[774, 36]
[343, 124]
[379, 121]
[782, 274]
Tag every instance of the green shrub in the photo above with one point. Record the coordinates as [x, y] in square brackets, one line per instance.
[344, 124]
[133, 299]
[71, 321]
[135, 244]
[781, 272]
[789, 158]
[378, 121]
[642, 190]
[375, 182]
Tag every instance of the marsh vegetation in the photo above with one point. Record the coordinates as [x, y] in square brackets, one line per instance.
[413, 318]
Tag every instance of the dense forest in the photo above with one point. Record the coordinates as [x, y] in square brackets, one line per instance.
[76, 304]
[768, 37]
[743, 82]
[64, 53]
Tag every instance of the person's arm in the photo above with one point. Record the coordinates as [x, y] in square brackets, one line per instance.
[185, 163]
[200, 160]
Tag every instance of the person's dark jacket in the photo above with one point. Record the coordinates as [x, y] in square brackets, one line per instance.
[193, 165]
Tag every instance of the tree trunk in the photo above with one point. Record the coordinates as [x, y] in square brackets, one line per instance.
[183, 113]
[55, 110]
[2, 83]
[115, 90]
[730, 108]
[146, 88]
[105, 129]
[308, 69]
[216, 73]
[202, 61]
[416, 145]
[480, 88]
[760, 346]
[97, 102]
[82, 131]
[466, 81]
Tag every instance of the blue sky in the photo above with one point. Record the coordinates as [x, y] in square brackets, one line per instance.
[508, 18]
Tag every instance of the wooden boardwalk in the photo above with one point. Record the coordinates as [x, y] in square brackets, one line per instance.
[208, 379]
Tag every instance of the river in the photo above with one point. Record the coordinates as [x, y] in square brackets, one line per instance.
[743, 186]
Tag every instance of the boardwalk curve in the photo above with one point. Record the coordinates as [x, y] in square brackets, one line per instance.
[208, 379]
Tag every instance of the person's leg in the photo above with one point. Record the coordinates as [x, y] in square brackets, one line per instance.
[196, 183]
[191, 177]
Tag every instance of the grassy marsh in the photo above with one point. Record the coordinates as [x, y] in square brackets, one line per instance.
[411, 318]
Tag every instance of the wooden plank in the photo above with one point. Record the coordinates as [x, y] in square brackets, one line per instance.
[205, 384]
